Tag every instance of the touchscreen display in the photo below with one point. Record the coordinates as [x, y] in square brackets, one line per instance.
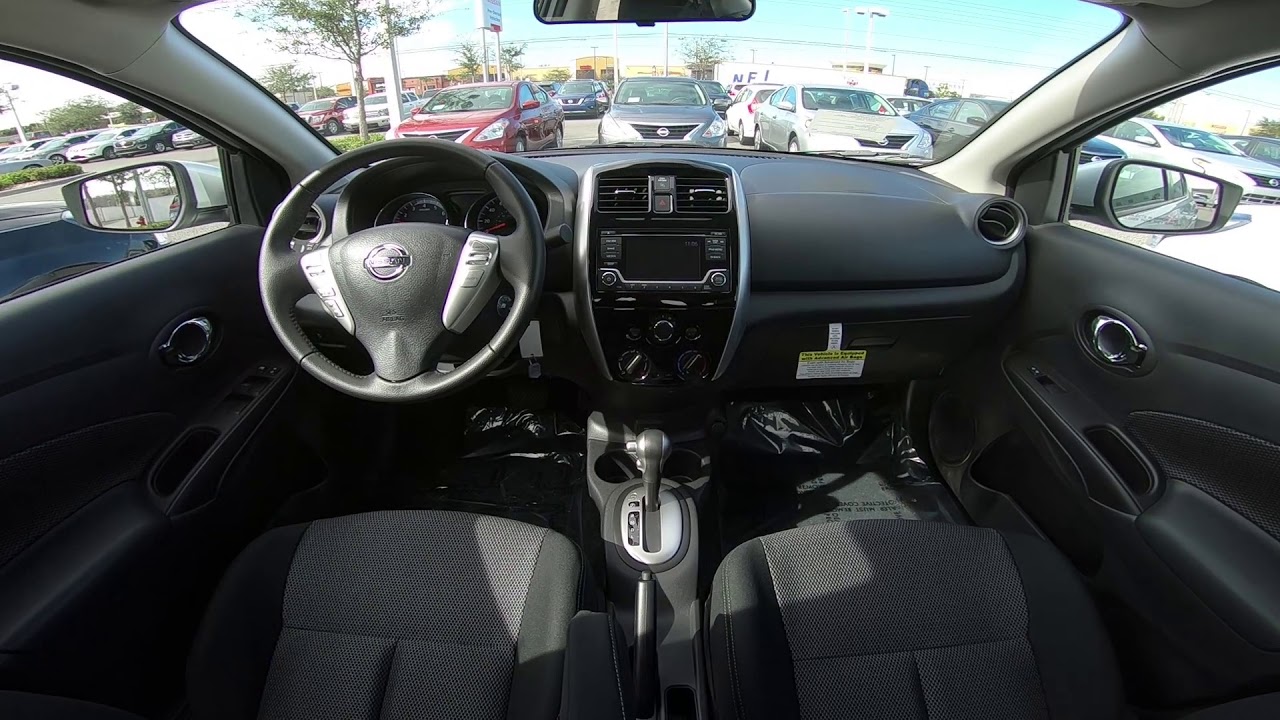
[661, 257]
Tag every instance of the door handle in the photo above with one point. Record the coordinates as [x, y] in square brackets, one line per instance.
[1115, 343]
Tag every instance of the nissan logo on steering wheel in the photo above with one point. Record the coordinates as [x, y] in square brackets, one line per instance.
[387, 262]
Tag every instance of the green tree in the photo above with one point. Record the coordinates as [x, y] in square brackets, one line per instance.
[1266, 127]
[944, 90]
[85, 113]
[557, 75]
[702, 54]
[469, 61]
[349, 30]
[131, 113]
[513, 59]
[286, 78]
[324, 91]
[1151, 115]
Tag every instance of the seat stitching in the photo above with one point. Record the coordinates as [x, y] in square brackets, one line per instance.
[617, 675]
[904, 651]
[733, 655]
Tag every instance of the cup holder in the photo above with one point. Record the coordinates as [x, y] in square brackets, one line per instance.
[617, 466]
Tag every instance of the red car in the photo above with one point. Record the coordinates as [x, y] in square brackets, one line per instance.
[326, 115]
[505, 116]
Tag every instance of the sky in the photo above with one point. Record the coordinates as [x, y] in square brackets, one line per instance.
[993, 47]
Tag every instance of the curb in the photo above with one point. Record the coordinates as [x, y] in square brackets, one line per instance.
[39, 186]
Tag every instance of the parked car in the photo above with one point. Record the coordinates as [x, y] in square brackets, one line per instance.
[583, 97]
[1097, 150]
[1245, 248]
[377, 115]
[11, 160]
[1199, 151]
[1260, 148]
[154, 138]
[720, 97]
[741, 115]
[803, 118]
[662, 110]
[552, 89]
[41, 244]
[293, 106]
[906, 104]
[505, 116]
[325, 115]
[189, 139]
[54, 149]
[952, 122]
[100, 146]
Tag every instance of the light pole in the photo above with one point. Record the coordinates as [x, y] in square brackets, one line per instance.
[893, 65]
[595, 57]
[396, 114]
[926, 74]
[844, 58]
[617, 64]
[5, 89]
[666, 51]
[872, 13]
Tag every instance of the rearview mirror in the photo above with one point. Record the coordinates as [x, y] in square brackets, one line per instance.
[1145, 196]
[642, 13]
[154, 197]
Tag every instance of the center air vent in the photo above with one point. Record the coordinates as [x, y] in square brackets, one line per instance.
[622, 195]
[702, 195]
[1002, 222]
[312, 227]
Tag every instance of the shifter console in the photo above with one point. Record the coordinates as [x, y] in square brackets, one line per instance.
[661, 262]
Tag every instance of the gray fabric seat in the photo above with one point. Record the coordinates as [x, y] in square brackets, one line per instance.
[412, 614]
[904, 620]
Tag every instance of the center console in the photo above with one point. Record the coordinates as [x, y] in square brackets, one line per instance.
[661, 259]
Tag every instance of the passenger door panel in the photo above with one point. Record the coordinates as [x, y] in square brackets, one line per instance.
[1177, 453]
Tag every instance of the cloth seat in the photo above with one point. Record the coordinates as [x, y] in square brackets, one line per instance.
[905, 620]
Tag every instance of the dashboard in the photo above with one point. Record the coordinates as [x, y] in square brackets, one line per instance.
[676, 272]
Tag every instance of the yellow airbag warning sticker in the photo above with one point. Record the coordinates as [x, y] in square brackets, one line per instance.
[828, 364]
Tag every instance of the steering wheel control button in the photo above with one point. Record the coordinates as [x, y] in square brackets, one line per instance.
[719, 279]
[319, 272]
[609, 278]
[662, 331]
[387, 262]
[474, 281]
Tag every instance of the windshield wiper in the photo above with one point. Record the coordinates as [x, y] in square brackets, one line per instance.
[895, 158]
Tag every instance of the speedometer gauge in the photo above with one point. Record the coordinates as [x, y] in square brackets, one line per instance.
[415, 207]
[492, 217]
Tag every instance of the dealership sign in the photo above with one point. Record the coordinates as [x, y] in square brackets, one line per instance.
[489, 15]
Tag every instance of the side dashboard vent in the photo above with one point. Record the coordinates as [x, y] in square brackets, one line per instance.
[312, 229]
[1002, 222]
[622, 195]
[702, 195]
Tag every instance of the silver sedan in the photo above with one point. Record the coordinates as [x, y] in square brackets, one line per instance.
[804, 118]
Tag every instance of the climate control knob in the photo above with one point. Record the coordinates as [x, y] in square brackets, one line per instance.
[691, 365]
[719, 278]
[662, 331]
[634, 365]
[609, 278]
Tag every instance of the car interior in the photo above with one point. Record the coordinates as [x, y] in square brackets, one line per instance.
[681, 433]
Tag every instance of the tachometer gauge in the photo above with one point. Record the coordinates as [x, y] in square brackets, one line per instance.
[415, 207]
[492, 217]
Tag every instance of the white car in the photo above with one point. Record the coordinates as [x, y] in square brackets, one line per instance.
[377, 115]
[742, 113]
[1199, 151]
[1245, 248]
[906, 104]
[807, 118]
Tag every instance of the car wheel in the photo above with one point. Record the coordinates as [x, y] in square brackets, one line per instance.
[793, 146]
[759, 139]
[557, 140]
[158, 147]
[108, 153]
[520, 144]
[57, 159]
[333, 127]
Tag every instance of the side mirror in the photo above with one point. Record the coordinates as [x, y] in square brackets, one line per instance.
[720, 103]
[155, 197]
[530, 105]
[976, 121]
[786, 105]
[1153, 197]
[1145, 140]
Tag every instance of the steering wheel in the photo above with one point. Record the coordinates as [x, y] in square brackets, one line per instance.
[404, 290]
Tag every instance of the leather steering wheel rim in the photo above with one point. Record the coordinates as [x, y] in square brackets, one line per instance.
[394, 330]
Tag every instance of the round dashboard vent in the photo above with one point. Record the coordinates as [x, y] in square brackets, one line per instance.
[312, 228]
[1002, 222]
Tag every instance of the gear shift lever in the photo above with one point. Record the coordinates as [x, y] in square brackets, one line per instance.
[652, 450]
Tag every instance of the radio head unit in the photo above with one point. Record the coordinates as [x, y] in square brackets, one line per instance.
[685, 261]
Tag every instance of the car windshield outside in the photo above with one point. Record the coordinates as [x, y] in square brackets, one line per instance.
[470, 99]
[106, 135]
[993, 50]
[660, 92]
[316, 105]
[845, 100]
[1193, 139]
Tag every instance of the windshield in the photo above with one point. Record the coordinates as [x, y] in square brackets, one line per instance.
[660, 92]
[470, 99]
[15, 149]
[315, 105]
[956, 51]
[1197, 140]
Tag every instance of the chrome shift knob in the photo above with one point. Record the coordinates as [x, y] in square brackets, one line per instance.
[653, 447]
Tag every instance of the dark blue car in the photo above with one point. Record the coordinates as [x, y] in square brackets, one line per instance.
[583, 98]
[40, 245]
[1097, 150]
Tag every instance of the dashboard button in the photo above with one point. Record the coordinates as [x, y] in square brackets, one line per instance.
[608, 278]
[719, 279]
[662, 203]
[693, 332]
